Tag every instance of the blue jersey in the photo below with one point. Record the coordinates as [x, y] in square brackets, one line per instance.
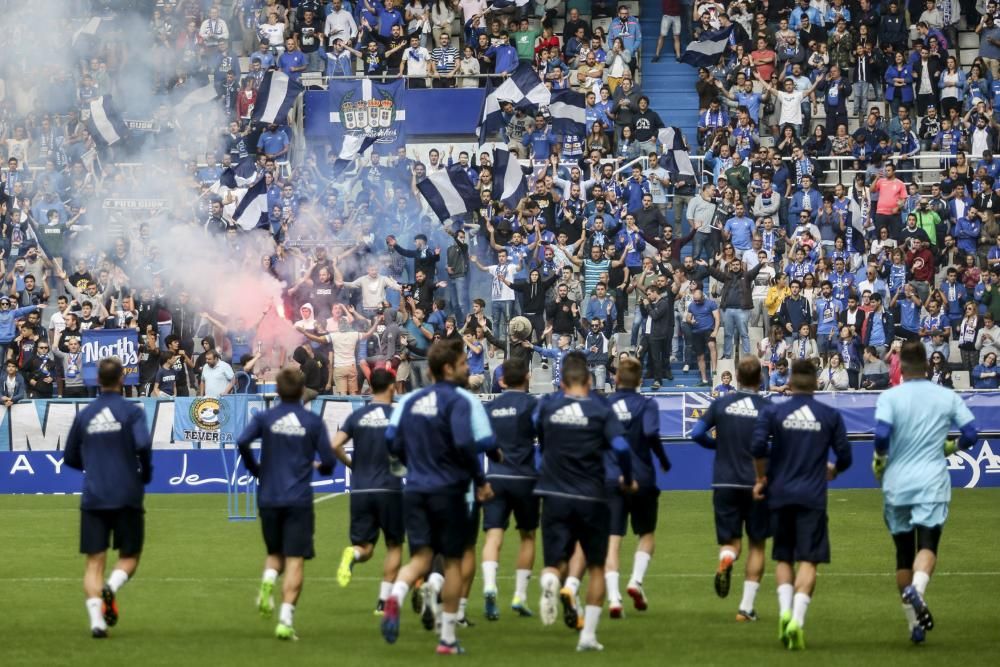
[370, 458]
[920, 413]
[445, 428]
[640, 416]
[291, 437]
[827, 312]
[733, 417]
[510, 415]
[796, 437]
[573, 434]
[110, 441]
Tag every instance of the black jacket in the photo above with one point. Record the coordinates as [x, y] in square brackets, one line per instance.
[737, 288]
[532, 295]
[662, 314]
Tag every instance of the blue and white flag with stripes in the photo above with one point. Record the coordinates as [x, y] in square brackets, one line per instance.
[568, 110]
[275, 97]
[706, 51]
[522, 88]
[195, 98]
[509, 175]
[449, 192]
[251, 212]
[241, 175]
[674, 155]
[105, 123]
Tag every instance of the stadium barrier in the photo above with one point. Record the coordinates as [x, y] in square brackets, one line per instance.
[33, 435]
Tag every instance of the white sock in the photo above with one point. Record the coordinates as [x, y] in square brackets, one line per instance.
[799, 608]
[920, 581]
[911, 616]
[448, 627]
[490, 575]
[286, 615]
[270, 575]
[549, 580]
[522, 577]
[435, 581]
[463, 603]
[117, 580]
[611, 582]
[785, 593]
[591, 615]
[399, 591]
[639, 565]
[573, 584]
[357, 554]
[94, 612]
[749, 595]
[725, 551]
[384, 590]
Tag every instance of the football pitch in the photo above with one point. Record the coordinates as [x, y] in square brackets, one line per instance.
[193, 599]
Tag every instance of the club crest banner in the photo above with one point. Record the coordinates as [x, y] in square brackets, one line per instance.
[204, 419]
[366, 108]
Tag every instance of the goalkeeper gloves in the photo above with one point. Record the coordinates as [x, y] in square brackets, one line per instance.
[879, 463]
[950, 446]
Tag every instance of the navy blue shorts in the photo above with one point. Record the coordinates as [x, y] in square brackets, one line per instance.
[642, 508]
[438, 521]
[800, 534]
[288, 531]
[127, 524]
[566, 521]
[376, 512]
[736, 508]
[512, 496]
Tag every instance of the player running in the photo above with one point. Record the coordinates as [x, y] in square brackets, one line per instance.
[513, 483]
[110, 442]
[790, 446]
[574, 428]
[376, 494]
[733, 416]
[640, 417]
[912, 422]
[437, 432]
[291, 437]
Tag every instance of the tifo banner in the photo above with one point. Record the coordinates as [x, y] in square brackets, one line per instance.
[366, 108]
[33, 435]
[102, 343]
[424, 115]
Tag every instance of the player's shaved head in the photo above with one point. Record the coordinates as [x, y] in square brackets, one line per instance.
[913, 359]
[748, 372]
[290, 383]
[109, 373]
[574, 370]
[629, 374]
[803, 378]
[515, 373]
[381, 380]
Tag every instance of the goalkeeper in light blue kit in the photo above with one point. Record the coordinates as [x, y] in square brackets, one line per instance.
[912, 424]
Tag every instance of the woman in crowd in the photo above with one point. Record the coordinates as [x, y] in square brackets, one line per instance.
[985, 375]
[938, 370]
[834, 376]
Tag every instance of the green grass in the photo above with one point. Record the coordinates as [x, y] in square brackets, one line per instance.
[192, 601]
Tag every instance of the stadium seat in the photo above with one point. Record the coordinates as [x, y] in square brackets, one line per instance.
[968, 40]
[604, 23]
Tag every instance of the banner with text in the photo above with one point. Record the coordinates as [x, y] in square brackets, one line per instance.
[102, 343]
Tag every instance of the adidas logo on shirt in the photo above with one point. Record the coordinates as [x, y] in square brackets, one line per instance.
[426, 406]
[104, 422]
[374, 419]
[621, 411]
[802, 419]
[570, 415]
[288, 425]
[503, 412]
[742, 408]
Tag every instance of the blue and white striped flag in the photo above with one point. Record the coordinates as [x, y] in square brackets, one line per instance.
[449, 192]
[675, 157]
[509, 174]
[706, 51]
[523, 88]
[568, 110]
[251, 212]
[105, 123]
[195, 98]
[275, 97]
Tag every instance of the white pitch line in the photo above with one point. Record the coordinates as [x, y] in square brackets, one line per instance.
[317, 501]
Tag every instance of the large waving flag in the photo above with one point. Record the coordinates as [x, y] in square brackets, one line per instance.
[706, 51]
[449, 192]
[509, 174]
[275, 97]
[105, 123]
[242, 175]
[675, 157]
[523, 88]
[568, 110]
[251, 212]
[195, 98]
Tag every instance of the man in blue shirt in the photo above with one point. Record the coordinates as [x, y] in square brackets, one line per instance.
[446, 428]
[703, 316]
[640, 417]
[827, 309]
[292, 62]
[110, 442]
[739, 229]
[291, 438]
[273, 142]
[539, 140]
[575, 428]
[733, 416]
[911, 450]
[790, 446]
[503, 56]
[376, 494]
[513, 483]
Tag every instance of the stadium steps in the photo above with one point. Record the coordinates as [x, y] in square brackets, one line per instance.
[668, 83]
